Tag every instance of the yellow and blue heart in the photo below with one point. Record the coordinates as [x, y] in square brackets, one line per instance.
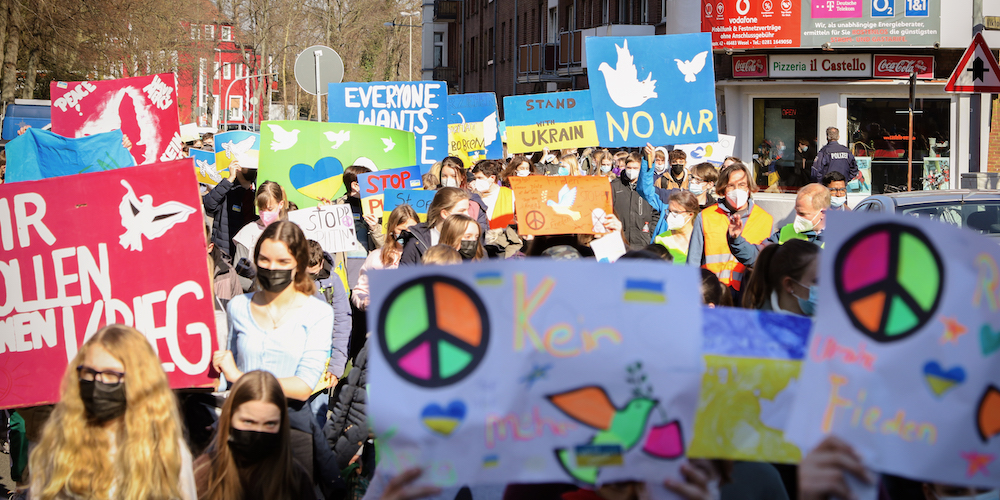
[322, 180]
[941, 380]
[443, 421]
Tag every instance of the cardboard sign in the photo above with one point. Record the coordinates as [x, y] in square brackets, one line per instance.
[473, 127]
[752, 362]
[374, 184]
[712, 152]
[332, 226]
[902, 360]
[555, 120]
[39, 154]
[308, 158]
[144, 108]
[655, 89]
[123, 246]
[498, 372]
[561, 205]
[237, 146]
[419, 199]
[417, 107]
[205, 168]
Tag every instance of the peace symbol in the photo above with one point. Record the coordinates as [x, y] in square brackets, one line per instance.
[535, 220]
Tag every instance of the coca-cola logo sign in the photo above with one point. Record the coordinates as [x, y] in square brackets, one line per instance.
[902, 66]
[749, 66]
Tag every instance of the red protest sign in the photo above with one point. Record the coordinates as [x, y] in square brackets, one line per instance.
[144, 108]
[561, 205]
[82, 251]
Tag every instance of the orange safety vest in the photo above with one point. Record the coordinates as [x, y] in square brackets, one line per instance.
[718, 258]
[503, 212]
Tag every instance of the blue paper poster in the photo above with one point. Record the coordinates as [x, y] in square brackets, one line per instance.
[473, 127]
[555, 120]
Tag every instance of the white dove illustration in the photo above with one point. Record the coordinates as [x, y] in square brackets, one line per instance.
[623, 82]
[140, 218]
[283, 139]
[388, 144]
[567, 197]
[692, 67]
[208, 170]
[236, 151]
[338, 137]
[491, 130]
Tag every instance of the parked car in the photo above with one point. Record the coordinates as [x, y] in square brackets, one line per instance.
[973, 209]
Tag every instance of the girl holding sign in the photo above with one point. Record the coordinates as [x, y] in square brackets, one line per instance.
[386, 257]
[447, 202]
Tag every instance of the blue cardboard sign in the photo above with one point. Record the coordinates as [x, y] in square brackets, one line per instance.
[554, 120]
[418, 107]
[375, 183]
[419, 199]
[655, 89]
[41, 154]
[473, 127]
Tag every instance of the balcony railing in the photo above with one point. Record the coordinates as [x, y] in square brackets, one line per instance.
[537, 58]
[446, 10]
[445, 74]
[570, 48]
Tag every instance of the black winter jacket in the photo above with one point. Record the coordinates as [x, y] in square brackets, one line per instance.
[347, 429]
[634, 213]
[232, 207]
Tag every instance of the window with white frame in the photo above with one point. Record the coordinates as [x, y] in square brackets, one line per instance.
[235, 108]
[227, 72]
[194, 32]
[439, 52]
[209, 31]
[226, 32]
[238, 69]
[202, 82]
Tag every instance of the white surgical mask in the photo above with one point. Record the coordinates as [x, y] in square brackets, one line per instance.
[805, 148]
[802, 224]
[696, 188]
[659, 167]
[449, 182]
[605, 169]
[675, 221]
[837, 201]
[482, 185]
[738, 197]
[523, 173]
[631, 173]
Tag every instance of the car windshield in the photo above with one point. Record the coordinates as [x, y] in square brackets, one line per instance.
[983, 217]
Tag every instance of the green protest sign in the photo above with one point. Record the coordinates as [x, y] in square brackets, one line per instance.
[308, 158]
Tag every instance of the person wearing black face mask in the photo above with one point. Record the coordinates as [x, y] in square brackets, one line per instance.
[251, 456]
[231, 206]
[462, 233]
[676, 177]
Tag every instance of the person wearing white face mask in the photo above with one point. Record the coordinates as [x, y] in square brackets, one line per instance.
[837, 184]
[272, 205]
[683, 208]
[710, 239]
[811, 204]
[499, 200]
[702, 185]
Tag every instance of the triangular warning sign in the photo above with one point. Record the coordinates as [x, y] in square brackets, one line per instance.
[977, 71]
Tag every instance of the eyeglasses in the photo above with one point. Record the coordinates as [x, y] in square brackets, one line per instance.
[107, 377]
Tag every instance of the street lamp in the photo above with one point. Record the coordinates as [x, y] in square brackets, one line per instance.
[393, 24]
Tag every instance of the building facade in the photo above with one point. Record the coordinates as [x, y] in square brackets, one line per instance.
[785, 69]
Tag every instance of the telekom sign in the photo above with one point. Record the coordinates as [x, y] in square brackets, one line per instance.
[902, 66]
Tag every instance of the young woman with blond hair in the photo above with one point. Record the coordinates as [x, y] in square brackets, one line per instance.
[116, 432]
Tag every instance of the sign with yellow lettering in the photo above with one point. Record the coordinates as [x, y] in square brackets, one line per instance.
[556, 120]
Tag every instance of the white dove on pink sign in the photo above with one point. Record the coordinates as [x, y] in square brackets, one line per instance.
[623, 82]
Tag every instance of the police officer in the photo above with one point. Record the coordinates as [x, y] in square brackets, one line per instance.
[834, 157]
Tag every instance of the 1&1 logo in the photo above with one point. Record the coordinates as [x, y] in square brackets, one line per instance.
[890, 280]
[433, 331]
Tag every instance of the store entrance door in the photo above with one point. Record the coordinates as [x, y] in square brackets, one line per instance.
[784, 138]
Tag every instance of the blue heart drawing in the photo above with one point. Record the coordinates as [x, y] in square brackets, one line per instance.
[941, 380]
[443, 420]
[320, 180]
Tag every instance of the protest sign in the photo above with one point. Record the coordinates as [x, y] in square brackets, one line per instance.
[374, 184]
[308, 158]
[237, 146]
[752, 361]
[473, 127]
[419, 199]
[555, 120]
[655, 89]
[907, 370]
[561, 205]
[144, 108]
[712, 152]
[498, 372]
[609, 248]
[417, 107]
[40, 154]
[205, 168]
[123, 246]
[332, 226]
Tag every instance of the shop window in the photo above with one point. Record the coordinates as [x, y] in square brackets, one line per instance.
[779, 126]
[878, 129]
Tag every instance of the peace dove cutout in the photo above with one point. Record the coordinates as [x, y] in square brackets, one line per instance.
[338, 138]
[692, 67]
[623, 82]
[208, 170]
[140, 218]
[567, 197]
[388, 144]
[283, 139]
[237, 150]
[490, 129]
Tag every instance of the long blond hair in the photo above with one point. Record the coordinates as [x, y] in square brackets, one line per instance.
[75, 456]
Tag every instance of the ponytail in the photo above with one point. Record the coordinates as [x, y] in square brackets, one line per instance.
[774, 263]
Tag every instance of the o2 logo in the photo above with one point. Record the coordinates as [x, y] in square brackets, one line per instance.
[917, 8]
[742, 7]
[885, 8]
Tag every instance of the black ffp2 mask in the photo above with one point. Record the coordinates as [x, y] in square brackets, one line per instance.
[102, 401]
[274, 280]
[249, 447]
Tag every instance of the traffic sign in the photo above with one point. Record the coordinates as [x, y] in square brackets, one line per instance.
[977, 71]
[327, 61]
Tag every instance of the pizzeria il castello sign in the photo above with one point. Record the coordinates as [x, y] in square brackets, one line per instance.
[810, 66]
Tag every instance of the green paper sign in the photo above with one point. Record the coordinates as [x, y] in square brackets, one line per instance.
[308, 158]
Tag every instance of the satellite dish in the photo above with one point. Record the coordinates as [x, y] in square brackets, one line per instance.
[331, 69]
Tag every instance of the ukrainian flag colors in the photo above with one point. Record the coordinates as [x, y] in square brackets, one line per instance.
[525, 138]
[644, 291]
[489, 278]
